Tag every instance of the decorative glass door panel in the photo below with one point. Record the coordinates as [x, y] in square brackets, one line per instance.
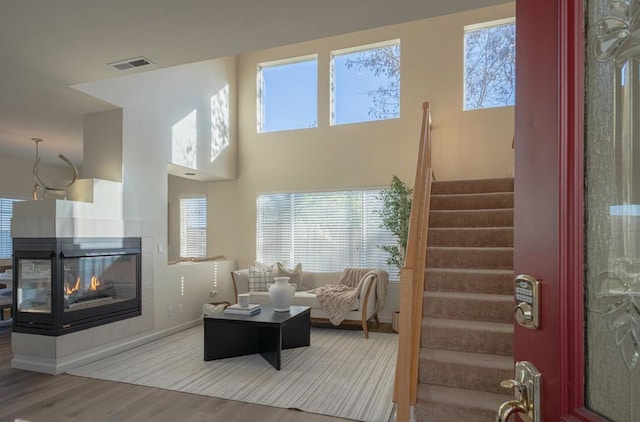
[98, 280]
[34, 286]
[612, 209]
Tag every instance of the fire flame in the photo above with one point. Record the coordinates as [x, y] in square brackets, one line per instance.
[68, 289]
[94, 283]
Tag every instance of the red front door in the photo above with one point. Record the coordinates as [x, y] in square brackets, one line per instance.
[549, 202]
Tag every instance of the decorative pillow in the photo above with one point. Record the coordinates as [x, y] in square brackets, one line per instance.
[259, 280]
[264, 267]
[295, 275]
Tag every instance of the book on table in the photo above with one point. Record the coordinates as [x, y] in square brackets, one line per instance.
[236, 309]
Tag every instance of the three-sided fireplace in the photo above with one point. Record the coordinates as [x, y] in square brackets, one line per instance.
[63, 285]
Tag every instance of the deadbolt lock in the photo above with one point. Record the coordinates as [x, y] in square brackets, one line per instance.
[524, 313]
[527, 295]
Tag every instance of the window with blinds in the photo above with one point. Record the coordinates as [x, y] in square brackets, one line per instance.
[193, 226]
[325, 231]
[6, 212]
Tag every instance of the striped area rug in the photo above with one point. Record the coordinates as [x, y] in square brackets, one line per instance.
[341, 374]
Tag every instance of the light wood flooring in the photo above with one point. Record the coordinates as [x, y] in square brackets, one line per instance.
[35, 397]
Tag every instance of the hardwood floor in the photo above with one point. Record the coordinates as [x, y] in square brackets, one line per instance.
[34, 397]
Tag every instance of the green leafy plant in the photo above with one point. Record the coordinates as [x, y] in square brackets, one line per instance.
[395, 214]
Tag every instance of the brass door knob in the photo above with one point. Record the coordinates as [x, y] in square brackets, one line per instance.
[526, 394]
[509, 408]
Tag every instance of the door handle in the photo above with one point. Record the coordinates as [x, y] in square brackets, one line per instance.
[508, 408]
[526, 390]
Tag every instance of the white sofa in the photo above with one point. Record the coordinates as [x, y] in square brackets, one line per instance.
[364, 310]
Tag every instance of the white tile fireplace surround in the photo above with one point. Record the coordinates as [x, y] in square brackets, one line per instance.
[93, 210]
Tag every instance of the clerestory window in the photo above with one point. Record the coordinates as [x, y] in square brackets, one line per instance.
[365, 83]
[490, 64]
[287, 94]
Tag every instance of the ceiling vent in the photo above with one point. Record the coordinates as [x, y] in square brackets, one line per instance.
[131, 63]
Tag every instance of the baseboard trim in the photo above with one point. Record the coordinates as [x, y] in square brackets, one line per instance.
[385, 319]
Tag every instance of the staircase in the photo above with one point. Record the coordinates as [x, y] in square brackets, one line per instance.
[467, 323]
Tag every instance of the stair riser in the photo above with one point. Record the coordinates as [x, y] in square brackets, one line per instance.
[444, 404]
[472, 186]
[500, 285]
[502, 237]
[466, 340]
[463, 376]
[471, 202]
[432, 411]
[466, 309]
[493, 218]
[495, 259]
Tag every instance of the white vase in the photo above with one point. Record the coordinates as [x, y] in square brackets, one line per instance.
[281, 294]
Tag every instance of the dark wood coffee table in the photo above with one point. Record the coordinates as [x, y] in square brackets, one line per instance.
[267, 333]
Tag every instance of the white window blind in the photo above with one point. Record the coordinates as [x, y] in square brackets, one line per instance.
[6, 212]
[193, 226]
[325, 231]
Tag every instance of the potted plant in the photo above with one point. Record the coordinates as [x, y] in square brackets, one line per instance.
[395, 213]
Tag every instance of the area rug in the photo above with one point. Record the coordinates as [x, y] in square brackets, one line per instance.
[341, 374]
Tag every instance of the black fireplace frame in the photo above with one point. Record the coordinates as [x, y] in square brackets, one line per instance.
[58, 322]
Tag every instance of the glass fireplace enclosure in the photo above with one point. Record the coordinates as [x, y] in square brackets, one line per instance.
[64, 285]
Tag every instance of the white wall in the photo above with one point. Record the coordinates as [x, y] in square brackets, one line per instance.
[102, 140]
[153, 102]
[474, 144]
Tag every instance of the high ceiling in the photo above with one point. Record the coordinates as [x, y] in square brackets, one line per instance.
[48, 45]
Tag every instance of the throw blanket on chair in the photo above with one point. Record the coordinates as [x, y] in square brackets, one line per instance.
[338, 299]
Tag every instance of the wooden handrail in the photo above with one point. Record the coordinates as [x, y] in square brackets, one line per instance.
[412, 278]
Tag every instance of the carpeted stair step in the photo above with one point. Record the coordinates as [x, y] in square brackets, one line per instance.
[472, 201]
[472, 186]
[444, 404]
[471, 218]
[465, 280]
[472, 371]
[468, 336]
[468, 306]
[476, 236]
[460, 257]
[467, 323]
